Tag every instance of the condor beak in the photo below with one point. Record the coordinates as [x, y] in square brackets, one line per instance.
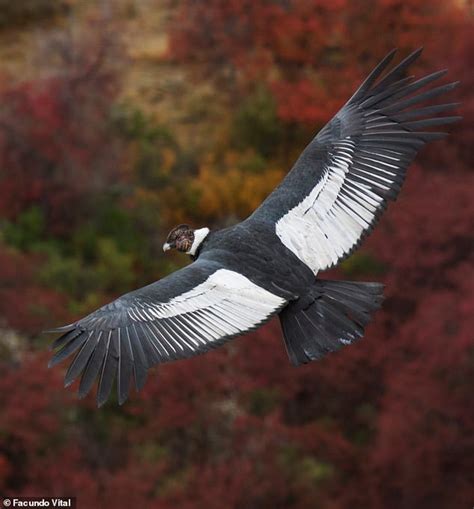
[166, 247]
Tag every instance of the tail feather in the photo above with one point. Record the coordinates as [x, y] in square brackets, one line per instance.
[333, 314]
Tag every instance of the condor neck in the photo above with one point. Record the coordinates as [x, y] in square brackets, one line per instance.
[199, 236]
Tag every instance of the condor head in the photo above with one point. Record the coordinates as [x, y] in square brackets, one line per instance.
[185, 239]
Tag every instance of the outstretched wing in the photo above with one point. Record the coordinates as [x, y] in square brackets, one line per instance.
[187, 313]
[342, 181]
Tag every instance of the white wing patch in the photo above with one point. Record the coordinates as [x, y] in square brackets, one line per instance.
[332, 218]
[226, 304]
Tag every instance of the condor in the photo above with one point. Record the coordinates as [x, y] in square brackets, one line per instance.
[268, 264]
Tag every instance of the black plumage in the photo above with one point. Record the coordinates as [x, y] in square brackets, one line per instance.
[266, 265]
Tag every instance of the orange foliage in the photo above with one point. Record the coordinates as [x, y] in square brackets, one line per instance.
[229, 192]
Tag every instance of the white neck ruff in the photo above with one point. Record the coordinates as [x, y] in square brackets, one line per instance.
[199, 236]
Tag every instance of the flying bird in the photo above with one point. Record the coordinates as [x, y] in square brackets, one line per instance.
[267, 265]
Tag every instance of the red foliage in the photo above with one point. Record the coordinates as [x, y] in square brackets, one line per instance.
[311, 53]
[24, 304]
[47, 155]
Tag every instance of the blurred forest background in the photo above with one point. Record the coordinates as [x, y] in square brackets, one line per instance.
[119, 120]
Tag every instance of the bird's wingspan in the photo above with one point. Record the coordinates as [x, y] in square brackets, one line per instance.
[187, 313]
[344, 178]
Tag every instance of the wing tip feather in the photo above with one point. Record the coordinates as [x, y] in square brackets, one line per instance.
[63, 329]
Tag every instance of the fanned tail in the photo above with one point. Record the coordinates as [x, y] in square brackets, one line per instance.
[332, 315]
